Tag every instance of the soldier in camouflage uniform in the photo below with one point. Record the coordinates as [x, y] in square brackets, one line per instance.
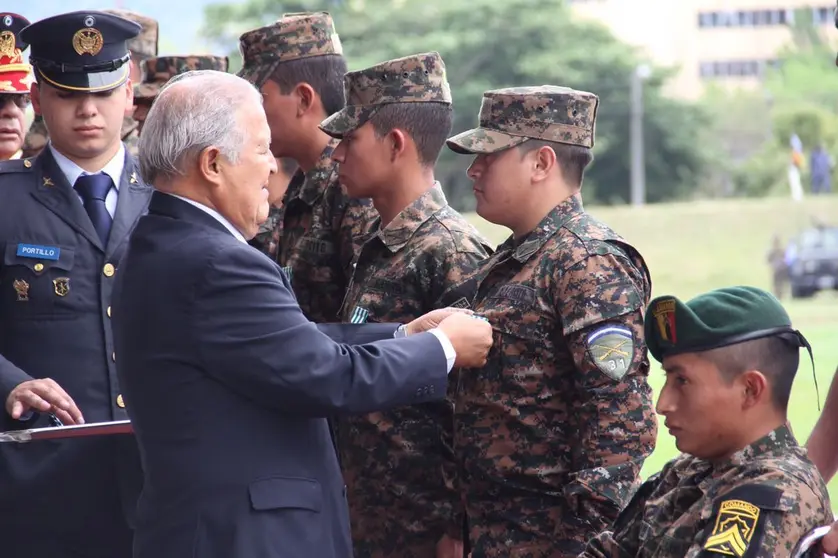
[743, 486]
[158, 70]
[268, 238]
[398, 464]
[142, 47]
[552, 433]
[298, 64]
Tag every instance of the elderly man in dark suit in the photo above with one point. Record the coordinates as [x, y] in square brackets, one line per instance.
[225, 380]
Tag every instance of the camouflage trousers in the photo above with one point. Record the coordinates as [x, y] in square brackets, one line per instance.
[523, 527]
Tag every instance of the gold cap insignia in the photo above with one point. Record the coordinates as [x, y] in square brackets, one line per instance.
[88, 41]
[734, 528]
[7, 44]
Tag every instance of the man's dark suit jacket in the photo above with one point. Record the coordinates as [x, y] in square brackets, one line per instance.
[227, 383]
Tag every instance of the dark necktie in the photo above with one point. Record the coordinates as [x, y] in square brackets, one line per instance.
[93, 189]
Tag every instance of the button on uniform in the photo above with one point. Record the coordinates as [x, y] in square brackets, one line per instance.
[109, 311]
[109, 270]
[39, 267]
[120, 402]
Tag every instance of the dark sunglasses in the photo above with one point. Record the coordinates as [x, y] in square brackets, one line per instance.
[22, 100]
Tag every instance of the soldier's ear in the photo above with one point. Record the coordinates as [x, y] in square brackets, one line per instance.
[398, 143]
[543, 163]
[754, 386]
[305, 98]
[35, 97]
[129, 97]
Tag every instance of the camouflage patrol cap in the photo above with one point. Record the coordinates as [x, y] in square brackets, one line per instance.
[291, 37]
[419, 78]
[715, 319]
[145, 44]
[157, 71]
[511, 116]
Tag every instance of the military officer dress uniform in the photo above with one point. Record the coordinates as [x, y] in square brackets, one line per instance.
[15, 79]
[62, 235]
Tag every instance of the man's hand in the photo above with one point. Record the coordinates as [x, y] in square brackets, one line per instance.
[432, 319]
[44, 396]
[830, 541]
[471, 338]
[449, 548]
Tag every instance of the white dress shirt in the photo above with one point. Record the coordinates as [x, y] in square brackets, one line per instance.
[447, 347]
[113, 168]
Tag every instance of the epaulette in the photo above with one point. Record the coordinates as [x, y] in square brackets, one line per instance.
[16, 165]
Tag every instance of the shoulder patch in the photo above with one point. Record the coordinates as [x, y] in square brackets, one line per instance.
[611, 347]
[16, 165]
[738, 521]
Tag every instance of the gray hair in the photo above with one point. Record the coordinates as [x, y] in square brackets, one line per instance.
[193, 111]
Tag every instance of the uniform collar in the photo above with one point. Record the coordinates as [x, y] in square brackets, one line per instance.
[705, 474]
[523, 249]
[775, 442]
[72, 171]
[398, 232]
[16, 155]
[309, 186]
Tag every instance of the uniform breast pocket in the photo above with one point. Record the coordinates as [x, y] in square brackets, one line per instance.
[384, 300]
[319, 257]
[36, 281]
[522, 343]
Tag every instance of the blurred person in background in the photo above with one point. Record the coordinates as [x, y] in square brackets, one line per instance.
[158, 70]
[777, 263]
[820, 167]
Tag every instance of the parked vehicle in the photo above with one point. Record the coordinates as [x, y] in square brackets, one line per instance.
[813, 261]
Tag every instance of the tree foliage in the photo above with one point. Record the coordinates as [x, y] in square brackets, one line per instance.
[488, 44]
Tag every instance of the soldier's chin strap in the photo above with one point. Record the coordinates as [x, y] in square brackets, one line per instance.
[796, 338]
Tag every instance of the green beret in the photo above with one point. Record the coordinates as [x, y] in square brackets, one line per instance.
[715, 319]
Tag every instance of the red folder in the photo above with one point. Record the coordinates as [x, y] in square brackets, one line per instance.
[62, 432]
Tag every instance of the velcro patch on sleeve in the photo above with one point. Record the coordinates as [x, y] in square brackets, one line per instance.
[611, 347]
[739, 520]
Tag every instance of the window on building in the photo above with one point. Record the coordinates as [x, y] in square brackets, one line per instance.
[822, 15]
[734, 68]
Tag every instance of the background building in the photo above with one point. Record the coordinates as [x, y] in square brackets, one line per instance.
[727, 41]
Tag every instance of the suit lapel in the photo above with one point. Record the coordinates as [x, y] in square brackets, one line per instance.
[53, 191]
[133, 200]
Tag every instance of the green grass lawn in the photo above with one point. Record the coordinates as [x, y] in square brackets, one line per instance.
[697, 246]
